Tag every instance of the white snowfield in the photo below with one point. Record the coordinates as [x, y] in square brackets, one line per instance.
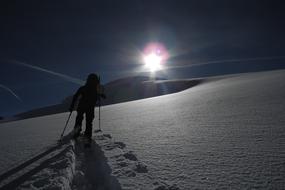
[222, 134]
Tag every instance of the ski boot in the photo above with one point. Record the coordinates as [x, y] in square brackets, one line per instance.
[76, 132]
[87, 142]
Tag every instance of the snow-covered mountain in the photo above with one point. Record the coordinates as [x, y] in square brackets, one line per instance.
[219, 134]
[123, 90]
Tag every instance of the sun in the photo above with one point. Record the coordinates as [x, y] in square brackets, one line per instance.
[153, 62]
[154, 56]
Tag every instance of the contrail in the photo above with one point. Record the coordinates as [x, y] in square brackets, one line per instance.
[63, 76]
[227, 61]
[11, 92]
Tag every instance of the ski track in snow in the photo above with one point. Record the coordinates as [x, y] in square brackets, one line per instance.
[51, 169]
[69, 165]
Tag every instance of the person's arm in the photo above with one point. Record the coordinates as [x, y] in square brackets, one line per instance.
[76, 95]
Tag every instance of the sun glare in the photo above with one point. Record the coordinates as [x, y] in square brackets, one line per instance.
[153, 62]
[154, 56]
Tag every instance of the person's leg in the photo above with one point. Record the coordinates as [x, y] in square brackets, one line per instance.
[89, 120]
[78, 123]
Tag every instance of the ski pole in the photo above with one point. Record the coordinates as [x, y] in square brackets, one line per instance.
[99, 114]
[100, 105]
[99, 91]
[65, 126]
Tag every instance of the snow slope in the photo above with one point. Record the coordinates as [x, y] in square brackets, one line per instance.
[227, 133]
[118, 91]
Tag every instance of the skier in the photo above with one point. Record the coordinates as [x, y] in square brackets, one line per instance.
[88, 96]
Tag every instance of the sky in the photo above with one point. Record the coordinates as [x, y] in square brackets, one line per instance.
[71, 39]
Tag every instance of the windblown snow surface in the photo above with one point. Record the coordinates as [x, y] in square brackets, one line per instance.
[222, 134]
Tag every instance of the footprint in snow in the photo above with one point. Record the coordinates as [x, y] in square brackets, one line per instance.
[100, 137]
[120, 145]
[107, 135]
[130, 173]
[167, 187]
[123, 164]
[130, 156]
[41, 183]
[118, 158]
[141, 168]
[110, 147]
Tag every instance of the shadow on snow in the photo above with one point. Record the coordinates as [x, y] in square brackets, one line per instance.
[93, 163]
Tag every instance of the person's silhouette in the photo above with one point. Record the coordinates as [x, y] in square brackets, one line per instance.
[88, 96]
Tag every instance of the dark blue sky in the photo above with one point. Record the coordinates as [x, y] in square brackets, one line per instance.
[79, 37]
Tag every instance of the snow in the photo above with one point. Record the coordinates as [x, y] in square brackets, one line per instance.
[226, 133]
